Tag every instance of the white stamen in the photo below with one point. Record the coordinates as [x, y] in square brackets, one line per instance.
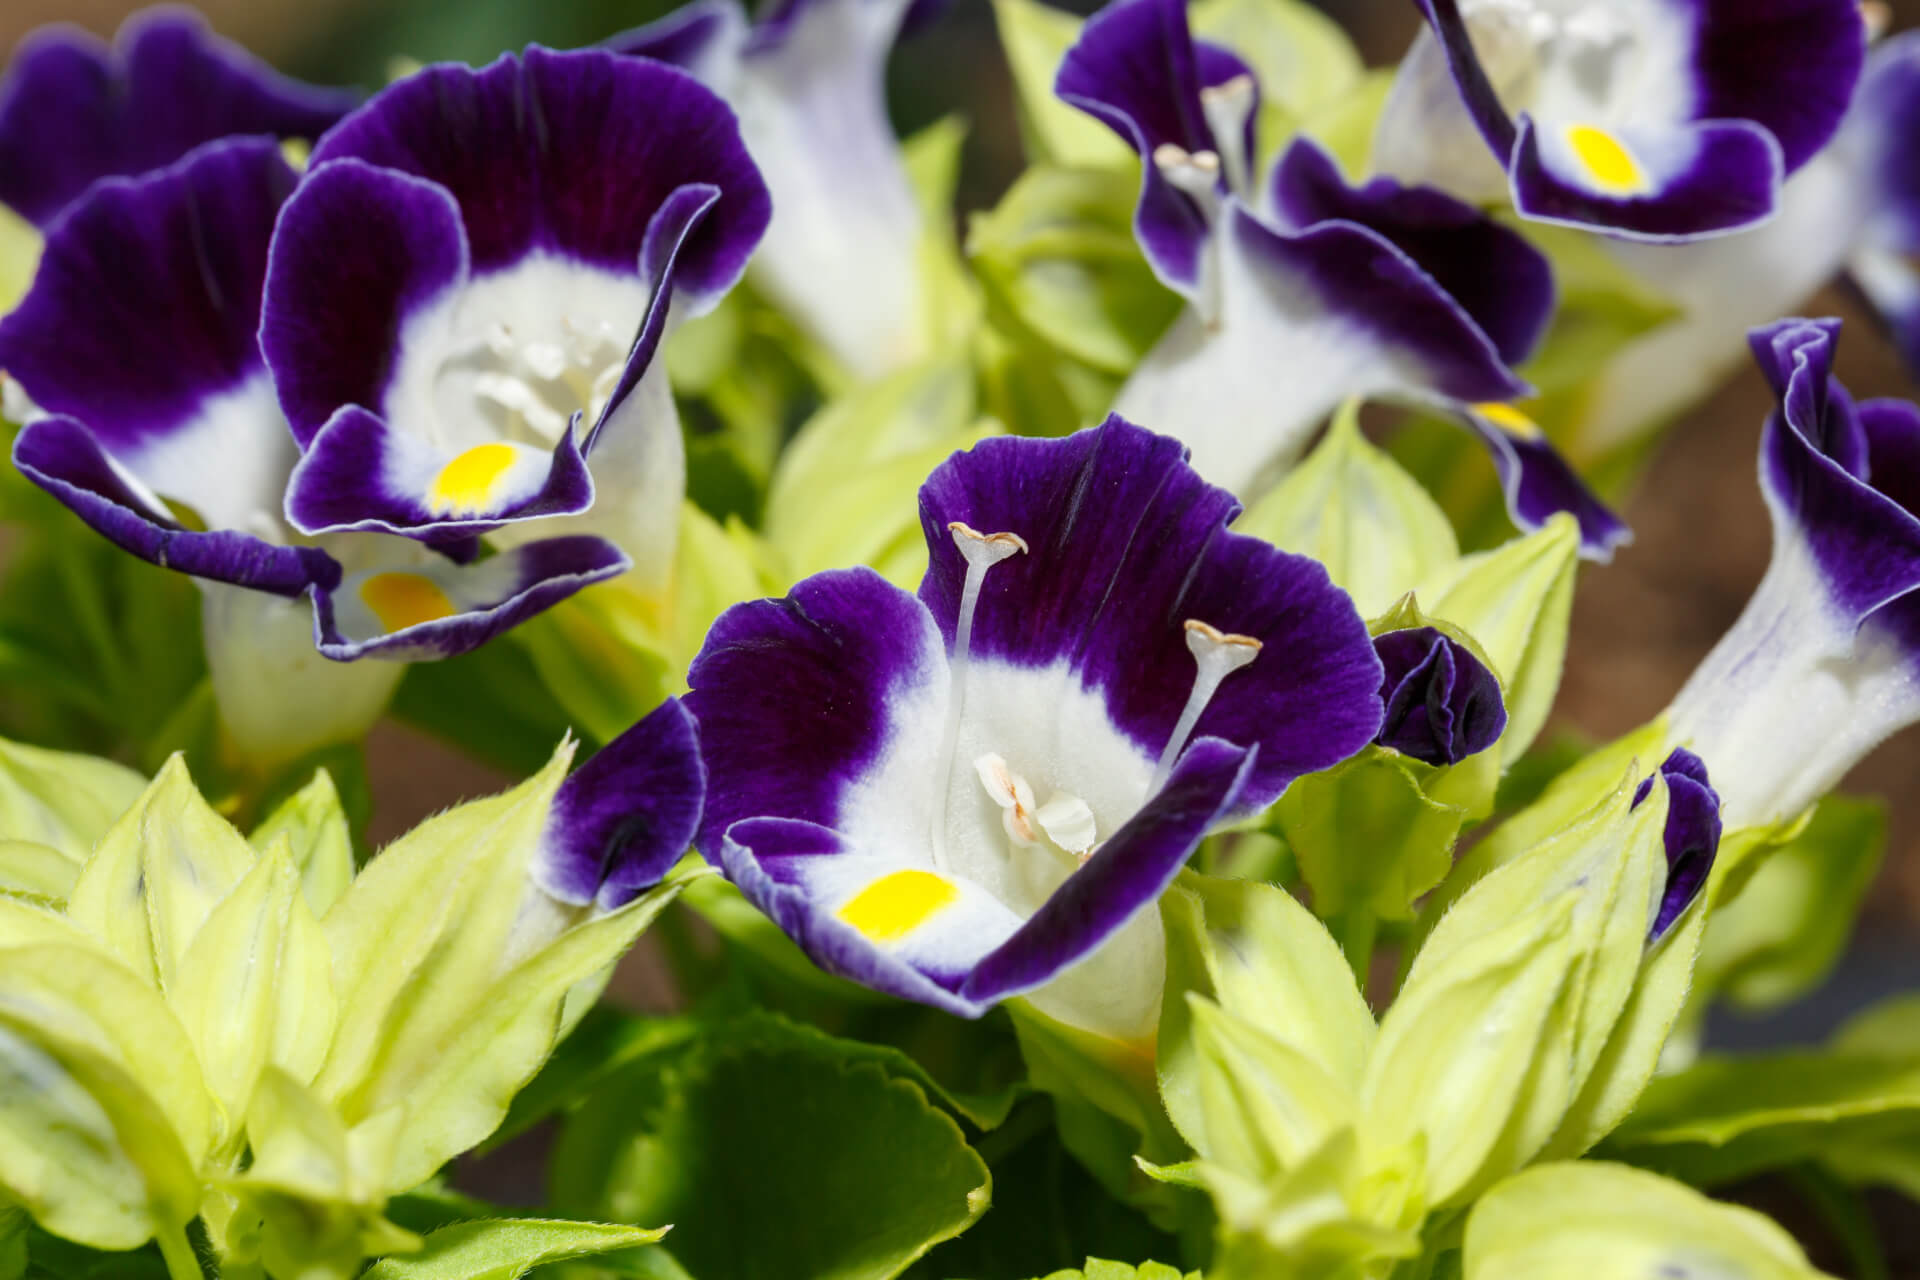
[1069, 823]
[1227, 106]
[1195, 172]
[1877, 17]
[1217, 655]
[982, 552]
[1013, 794]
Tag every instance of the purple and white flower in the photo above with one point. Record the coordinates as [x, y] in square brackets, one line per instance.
[1651, 119]
[156, 422]
[74, 110]
[1886, 120]
[467, 292]
[979, 792]
[844, 252]
[1304, 291]
[1441, 702]
[1825, 661]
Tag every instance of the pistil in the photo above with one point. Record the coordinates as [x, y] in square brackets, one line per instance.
[1227, 106]
[982, 552]
[1217, 655]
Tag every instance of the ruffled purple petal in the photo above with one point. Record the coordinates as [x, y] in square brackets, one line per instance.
[1126, 544]
[1539, 484]
[1376, 290]
[795, 696]
[1126, 875]
[621, 820]
[63, 457]
[1699, 178]
[569, 154]
[1821, 473]
[1790, 66]
[1502, 282]
[1442, 704]
[359, 250]
[359, 473]
[441, 610]
[142, 316]
[1134, 68]
[73, 110]
[1691, 836]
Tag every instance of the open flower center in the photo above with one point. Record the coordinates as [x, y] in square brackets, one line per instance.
[527, 385]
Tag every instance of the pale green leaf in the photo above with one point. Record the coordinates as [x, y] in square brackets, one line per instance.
[1367, 836]
[1592, 1221]
[157, 875]
[1303, 59]
[315, 824]
[61, 798]
[1036, 36]
[507, 1248]
[19, 256]
[1354, 509]
[1097, 1269]
[1265, 1106]
[36, 871]
[256, 987]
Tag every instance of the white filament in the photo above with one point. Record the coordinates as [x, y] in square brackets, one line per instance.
[1217, 655]
[1227, 106]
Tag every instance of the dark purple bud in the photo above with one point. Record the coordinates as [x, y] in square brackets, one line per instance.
[1442, 704]
[1692, 834]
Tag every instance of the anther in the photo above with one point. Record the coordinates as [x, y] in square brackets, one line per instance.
[1217, 654]
[1877, 17]
[1195, 172]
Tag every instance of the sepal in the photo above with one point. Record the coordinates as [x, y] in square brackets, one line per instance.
[315, 826]
[62, 799]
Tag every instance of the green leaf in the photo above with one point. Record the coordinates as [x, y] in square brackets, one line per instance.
[844, 1170]
[103, 1118]
[1303, 60]
[60, 799]
[256, 988]
[1516, 601]
[158, 874]
[507, 1249]
[321, 846]
[1367, 836]
[19, 255]
[1096, 1269]
[1593, 1221]
[1060, 265]
[36, 871]
[1354, 509]
[1035, 37]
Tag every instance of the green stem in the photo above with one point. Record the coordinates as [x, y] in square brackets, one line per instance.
[1356, 932]
[182, 1264]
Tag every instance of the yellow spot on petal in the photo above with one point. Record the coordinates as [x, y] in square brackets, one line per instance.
[1606, 160]
[467, 483]
[1509, 420]
[401, 600]
[895, 905]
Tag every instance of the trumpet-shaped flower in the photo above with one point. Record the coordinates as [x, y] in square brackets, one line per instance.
[1652, 119]
[1821, 665]
[74, 110]
[843, 254]
[1442, 704]
[158, 425]
[468, 289]
[979, 792]
[1302, 290]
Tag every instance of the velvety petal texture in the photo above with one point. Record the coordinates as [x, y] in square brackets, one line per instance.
[620, 821]
[1442, 703]
[468, 292]
[1691, 837]
[1652, 119]
[74, 110]
[963, 796]
[1825, 660]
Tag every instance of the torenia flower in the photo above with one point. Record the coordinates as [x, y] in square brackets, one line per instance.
[73, 110]
[1442, 703]
[1296, 280]
[157, 424]
[1821, 665]
[1691, 836]
[844, 252]
[1653, 119]
[980, 792]
[468, 290]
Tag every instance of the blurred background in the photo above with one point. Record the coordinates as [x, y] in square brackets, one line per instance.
[1640, 624]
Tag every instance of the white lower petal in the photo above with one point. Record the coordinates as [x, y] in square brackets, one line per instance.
[1792, 697]
[278, 698]
[230, 464]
